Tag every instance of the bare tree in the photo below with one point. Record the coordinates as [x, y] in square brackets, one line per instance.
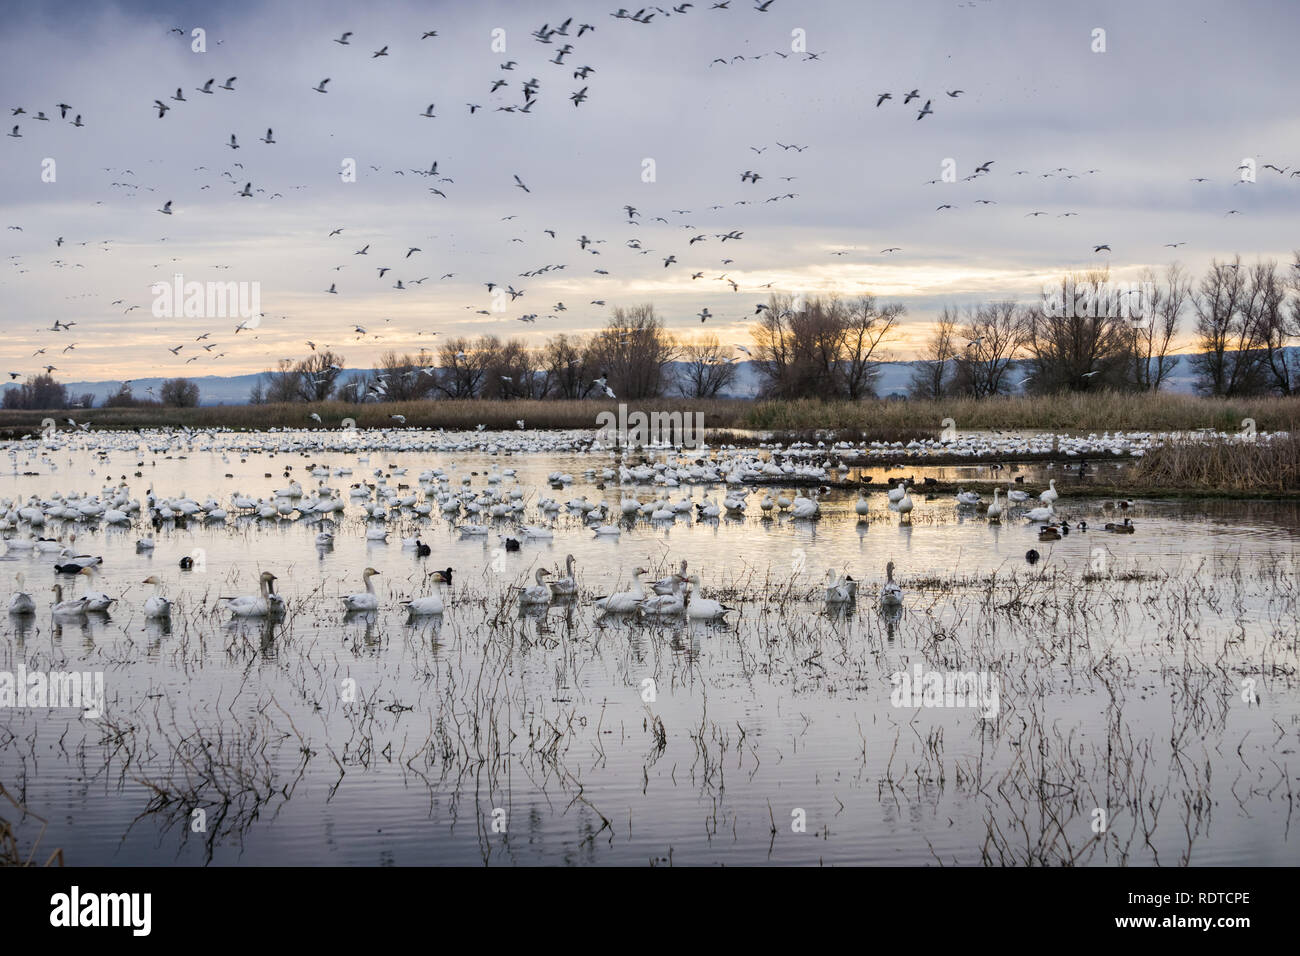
[994, 335]
[462, 366]
[707, 368]
[1153, 332]
[179, 393]
[796, 351]
[1266, 310]
[317, 374]
[932, 374]
[865, 325]
[633, 353]
[568, 372]
[1077, 340]
[1229, 358]
[283, 383]
[514, 373]
[825, 349]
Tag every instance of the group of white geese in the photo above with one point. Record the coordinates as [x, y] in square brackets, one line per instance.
[677, 594]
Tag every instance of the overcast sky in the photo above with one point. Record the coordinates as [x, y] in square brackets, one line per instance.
[1183, 90]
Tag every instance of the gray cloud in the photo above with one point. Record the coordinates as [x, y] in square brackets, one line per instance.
[1184, 90]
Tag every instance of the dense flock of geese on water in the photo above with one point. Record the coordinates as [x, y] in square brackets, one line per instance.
[501, 504]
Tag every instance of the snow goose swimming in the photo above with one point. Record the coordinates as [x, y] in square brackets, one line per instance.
[891, 595]
[623, 602]
[262, 604]
[363, 600]
[567, 585]
[156, 606]
[432, 604]
[539, 593]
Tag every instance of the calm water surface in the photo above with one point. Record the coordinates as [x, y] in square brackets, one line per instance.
[1151, 677]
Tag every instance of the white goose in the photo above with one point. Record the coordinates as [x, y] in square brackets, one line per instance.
[665, 604]
[623, 602]
[156, 606]
[363, 600]
[21, 602]
[432, 604]
[995, 509]
[805, 507]
[669, 584]
[837, 588]
[1040, 514]
[567, 585]
[62, 608]
[702, 608]
[95, 600]
[905, 508]
[862, 506]
[1049, 496]
[262, 604]
[891, 595]
[539, 593]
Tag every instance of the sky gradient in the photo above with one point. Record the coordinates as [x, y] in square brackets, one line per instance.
[1183, 90]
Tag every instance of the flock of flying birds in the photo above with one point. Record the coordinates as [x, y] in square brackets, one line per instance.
[703, 251]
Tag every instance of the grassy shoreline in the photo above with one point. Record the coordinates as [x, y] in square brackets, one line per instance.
[875, 419]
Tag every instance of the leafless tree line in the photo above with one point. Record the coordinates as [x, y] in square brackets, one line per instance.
[634, 356]
[822, 348]
[1243, 321]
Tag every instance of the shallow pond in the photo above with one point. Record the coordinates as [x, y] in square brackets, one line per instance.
[1146, 707]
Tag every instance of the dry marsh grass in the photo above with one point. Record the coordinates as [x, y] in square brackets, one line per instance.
[1222, 465]
[877, 419]
[1098, 411]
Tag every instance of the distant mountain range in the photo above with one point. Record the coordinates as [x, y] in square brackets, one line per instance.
[234, 389]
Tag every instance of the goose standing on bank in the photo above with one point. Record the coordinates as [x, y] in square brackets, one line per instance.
[364, 600]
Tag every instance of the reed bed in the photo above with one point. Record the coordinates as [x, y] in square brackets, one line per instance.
[1070, 413]
[1258, 466]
